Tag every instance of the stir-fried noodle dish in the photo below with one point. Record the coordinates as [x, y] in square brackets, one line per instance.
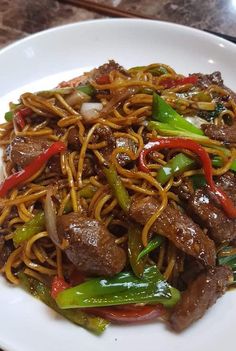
[118, 202]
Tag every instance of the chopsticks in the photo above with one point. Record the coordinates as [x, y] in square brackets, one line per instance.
[115, 12]
[104, 9]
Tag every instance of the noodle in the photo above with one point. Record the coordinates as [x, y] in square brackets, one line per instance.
[107, 137]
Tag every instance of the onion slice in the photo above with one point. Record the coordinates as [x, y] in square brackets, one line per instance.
[91, 110]
[196, 121]
[50, 218]
[77, 98]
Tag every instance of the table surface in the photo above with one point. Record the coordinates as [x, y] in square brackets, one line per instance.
[20, 18]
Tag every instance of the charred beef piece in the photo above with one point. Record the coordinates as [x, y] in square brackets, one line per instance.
[177, 227]
[125, 143]
[91, 247]
[224, 133]
[202, 207]
[88, 167]
[192, 268]
[6, 249]
[185, 189]
[227, 182]
[22, 150]
[203, 210]
[104, 133]
[204, 80]
[106, 69]
[94, 74]
[73, 139]
[201, 294]
[74, 144]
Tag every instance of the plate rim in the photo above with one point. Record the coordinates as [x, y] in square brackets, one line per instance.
[43, 32]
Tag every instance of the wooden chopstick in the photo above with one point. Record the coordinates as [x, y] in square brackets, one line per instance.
[104, 9]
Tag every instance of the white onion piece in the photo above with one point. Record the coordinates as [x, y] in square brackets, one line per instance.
[90, 110]
[50, 219]
[196, 121]
[77, 98]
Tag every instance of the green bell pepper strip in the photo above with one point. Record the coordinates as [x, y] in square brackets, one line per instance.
[228, 261]
[175, 167]
[30, 228]
[118, 188]
[164, 113]
[124, 288]
[134, 249]
[87, 89]
[42, 292]
[169, 130]
[152, 245]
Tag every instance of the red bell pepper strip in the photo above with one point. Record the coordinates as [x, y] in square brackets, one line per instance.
[169, 82]
[21, 114]
[58, 285]
[129, 313]
[172, 143]
[105, 79]
[19, 120]
[21, 176]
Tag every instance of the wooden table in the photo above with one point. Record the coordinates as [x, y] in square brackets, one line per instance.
[20, 18]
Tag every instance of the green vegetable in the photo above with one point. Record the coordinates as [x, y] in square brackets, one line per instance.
[156, 71]
[42, 292]
[174, 167]
[228, 261]
[162, 112]
[30, 228]
[51, 92]
[198, 181]
[217, 162]
[124, 288]
[145, 91]
[152, 245]
[9, 116]
[134, 249]
[118, 188]
[68, 207]
[87, 89]
[169, 130]
[87, 193]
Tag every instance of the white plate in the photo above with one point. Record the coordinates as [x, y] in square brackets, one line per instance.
[43, 60]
